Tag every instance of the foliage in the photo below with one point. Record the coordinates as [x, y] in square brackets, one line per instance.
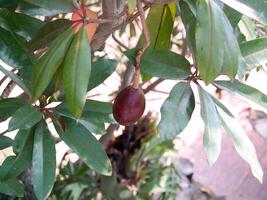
[52, 62]
[135, 158]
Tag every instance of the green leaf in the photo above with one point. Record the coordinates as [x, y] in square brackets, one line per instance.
[176, 111]
[92, 120]
[16, 79]
[25, 118]
[86, 146]
[109, 186]
[131, 5]
[248, 28]
[101, 70]
[9, 106]
[91, 106]
[17, 164]
[94, 116]
[24, 25]
[256, 9]
[160, 21]
[189, 21]
[212, 133]
[43, 161]
[94, 127]
[33, 10]
[233, 15]
[222, 106]
[255, 52]
[20, 140]
[12, 51]
[5, 142]
[47, 33]
[59, 5]
[76, 73]
[90, 123]
[45, 67]
[242, 143]
[162, 63]
[247, 92]
[98, 106]
[214, 38]
[11, 4]
[12, 187]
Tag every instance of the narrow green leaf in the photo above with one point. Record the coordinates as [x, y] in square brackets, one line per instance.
[94, 126]
[17, 164]
[98, 117]
[25, 118]
[242, 143]
[86, 146]
[65, 6]
[24, 25]
[162, 63]
[233, 15]
[5, 167]
[47, 33]
[176, 111]
[45, 67]
[247, 92]
[255, 52]
[214, 38]
[16, 79]
[43, 161]
[77, 69]
[12, 52]
[91, 106]
[212, 133]
[94, 116]
[131, 5]
[189, 21]
[256, 9]
[248, 28]
[160, 21]
[11, 4]
[34, 10]
[5, 142]
[222, 106]
[20, 140]
[9, 106]
[98, 106]
[12, 187]
[101, 70]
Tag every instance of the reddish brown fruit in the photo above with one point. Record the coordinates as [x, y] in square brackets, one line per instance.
[129, 105]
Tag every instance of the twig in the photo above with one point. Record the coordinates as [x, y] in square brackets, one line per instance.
[8, 89]
[5, 77]
[140, 53]
[153, 85]
[99, 38]
[4, 132]
[118, 41]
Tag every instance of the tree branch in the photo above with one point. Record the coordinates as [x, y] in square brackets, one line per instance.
[111, 9]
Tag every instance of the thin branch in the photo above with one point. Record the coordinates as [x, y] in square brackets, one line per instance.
[118, 41]
[140, 53]
[105, 31]
[4, 132]
[153, 85]
[8, 89]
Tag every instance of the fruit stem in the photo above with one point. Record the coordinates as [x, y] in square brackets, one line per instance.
[136, 78]
[141, 51]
